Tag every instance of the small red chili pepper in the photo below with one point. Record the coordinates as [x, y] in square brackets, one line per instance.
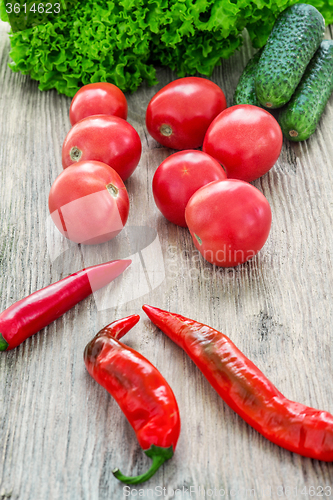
[246, 390]
[140, 390]
[29, 315]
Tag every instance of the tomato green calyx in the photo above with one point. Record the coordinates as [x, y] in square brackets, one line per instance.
[3, 343]
[75, 153]
[293, 133]
[199, 239]
[166, 130]
[113, 190]
[158, 455]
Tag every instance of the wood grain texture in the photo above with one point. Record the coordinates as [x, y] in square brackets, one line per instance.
[60, 433]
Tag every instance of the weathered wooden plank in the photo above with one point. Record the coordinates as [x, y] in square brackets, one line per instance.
[60, 433]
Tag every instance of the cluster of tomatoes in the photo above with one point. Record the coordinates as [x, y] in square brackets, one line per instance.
[88, 201]
[207, 191]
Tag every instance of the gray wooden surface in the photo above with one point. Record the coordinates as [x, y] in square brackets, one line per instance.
[60, 433]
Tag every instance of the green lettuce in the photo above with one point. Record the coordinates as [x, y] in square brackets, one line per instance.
[121, 41]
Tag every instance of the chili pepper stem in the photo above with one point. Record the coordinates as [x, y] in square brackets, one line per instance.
[157, 462]
[158, 455]
[3, 343]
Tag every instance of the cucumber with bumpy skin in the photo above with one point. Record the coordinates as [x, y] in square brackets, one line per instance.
[245, 92]
[301, 116]
[295, 37]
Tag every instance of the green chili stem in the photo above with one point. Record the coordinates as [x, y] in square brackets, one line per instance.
[157, 462]
[3, 343]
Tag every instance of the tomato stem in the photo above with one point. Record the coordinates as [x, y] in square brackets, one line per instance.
[113, 190]
[75, 153]
[199, 239]
[166, 130]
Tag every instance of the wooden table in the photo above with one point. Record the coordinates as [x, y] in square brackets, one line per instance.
[60, 433]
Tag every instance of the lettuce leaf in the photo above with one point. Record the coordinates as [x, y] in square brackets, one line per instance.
[121, 41]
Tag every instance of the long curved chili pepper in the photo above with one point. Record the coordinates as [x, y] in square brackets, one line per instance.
[246, 390]
[140, 390]
[29, 315]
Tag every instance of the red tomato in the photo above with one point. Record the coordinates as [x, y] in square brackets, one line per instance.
[229, 221]
[108, 139]
[180, 113]
[179, 177]
[98, 99]
[88, 202]
[246, 140]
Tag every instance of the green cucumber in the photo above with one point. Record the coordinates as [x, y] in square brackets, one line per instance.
[299, 119]
[295, 37]
[245, 92]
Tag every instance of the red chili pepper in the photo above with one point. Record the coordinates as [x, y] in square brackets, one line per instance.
[140, 390]
[246, 390]
[29, 315]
